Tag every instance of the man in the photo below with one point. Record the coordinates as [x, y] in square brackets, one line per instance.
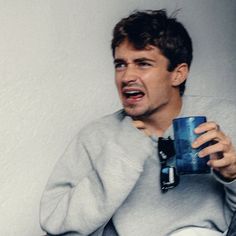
[108, 180]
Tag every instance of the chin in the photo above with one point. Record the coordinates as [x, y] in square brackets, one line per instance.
[134, 112]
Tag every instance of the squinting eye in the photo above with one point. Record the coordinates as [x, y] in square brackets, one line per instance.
[120, 66]
[144, 64]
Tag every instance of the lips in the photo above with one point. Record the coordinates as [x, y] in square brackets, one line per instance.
[133, 95]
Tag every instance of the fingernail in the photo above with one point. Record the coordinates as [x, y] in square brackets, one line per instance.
[194, 144]
[196, 130]
[200, 154]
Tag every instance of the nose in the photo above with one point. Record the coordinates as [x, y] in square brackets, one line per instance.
[130, 74]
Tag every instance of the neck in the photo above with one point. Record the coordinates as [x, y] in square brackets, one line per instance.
[160, 120]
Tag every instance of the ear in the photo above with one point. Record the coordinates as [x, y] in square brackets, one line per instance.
[180, 74]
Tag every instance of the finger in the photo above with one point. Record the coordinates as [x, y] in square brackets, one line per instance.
[210, 125]
[207, 137]
[212, 149]
[141, 126]
[228, 172]
[147, 132]
[138, 124]
[220, 163]
[228, 175]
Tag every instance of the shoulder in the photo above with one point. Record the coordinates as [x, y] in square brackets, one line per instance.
[209, 106]
[103, 128]
[217, 109]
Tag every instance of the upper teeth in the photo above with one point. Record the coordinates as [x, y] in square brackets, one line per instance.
[132, 92]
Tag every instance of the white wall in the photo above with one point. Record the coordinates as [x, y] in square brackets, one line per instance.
[56, 75]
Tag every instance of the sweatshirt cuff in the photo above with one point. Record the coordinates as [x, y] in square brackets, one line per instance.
[224, 181]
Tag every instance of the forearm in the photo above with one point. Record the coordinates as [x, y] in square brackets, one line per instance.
[88, 204]
[229, 195]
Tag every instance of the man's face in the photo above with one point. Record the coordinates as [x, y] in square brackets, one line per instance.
[143, 82]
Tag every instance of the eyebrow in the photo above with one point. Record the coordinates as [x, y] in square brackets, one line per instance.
[118, 60]
[141, 59]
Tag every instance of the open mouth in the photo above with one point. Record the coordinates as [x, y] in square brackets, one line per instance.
[133, 94]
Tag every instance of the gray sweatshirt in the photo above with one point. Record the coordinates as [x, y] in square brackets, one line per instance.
[108, 182]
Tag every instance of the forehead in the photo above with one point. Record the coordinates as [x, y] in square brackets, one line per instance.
[127, 50]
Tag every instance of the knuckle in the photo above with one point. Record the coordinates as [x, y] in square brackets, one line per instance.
[214, 133]
[228, 141]
[214, 125]
[221, 146]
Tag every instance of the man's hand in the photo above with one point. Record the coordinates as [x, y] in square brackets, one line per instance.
[141, 126]
[222, 152]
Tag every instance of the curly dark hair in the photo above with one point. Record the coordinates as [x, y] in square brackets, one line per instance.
[154, 27]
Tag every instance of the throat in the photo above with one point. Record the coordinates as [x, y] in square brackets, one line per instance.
[160, 120]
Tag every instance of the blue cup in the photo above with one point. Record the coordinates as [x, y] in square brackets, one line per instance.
[187, 160]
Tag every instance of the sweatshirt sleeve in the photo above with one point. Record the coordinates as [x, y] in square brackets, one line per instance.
[227, 113]
[87, 187]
